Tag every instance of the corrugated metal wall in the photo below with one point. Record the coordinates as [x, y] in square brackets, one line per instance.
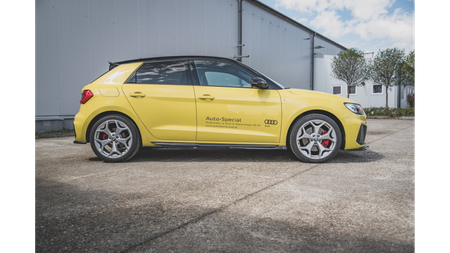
[276, 47]
[76, 39]
[329, 49]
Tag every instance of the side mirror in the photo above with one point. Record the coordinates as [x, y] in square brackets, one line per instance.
[259, 83]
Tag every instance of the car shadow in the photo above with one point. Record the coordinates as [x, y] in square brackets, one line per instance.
[183, 155]
[366, 156]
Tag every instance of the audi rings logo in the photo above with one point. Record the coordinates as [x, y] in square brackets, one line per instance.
[270, 122]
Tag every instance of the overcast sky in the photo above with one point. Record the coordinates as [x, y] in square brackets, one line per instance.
[368, 25]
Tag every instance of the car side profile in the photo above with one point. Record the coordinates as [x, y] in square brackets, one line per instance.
[199, 101]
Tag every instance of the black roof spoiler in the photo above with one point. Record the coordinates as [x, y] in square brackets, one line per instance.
[112, 65]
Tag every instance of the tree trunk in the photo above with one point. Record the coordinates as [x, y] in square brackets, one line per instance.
[387, 106]
[348, 91]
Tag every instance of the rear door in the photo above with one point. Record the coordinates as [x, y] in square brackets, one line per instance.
[162, 95]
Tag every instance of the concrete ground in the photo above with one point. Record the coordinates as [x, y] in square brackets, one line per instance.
[187, 200]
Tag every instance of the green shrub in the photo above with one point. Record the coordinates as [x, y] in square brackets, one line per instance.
[390, 112]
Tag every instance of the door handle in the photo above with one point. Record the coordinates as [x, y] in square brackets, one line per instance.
[206, 97]
[137, 95]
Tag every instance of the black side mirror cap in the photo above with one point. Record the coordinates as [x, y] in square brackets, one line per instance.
[259, 83]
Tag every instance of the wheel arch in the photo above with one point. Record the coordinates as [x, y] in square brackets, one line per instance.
[100, 115]
[332, 116]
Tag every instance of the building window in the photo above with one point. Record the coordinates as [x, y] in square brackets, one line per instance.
[377, 89]
[337, 90]
[352, 90]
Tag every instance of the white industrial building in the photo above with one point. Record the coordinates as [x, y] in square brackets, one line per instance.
[75, 40]
[368, 95]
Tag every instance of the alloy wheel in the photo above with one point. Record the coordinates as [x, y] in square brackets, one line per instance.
[113, 138]
[316, 139]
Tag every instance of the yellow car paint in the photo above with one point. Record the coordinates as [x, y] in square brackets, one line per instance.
[228, 114]
[168, 111]
[297, 102]
[209, 114]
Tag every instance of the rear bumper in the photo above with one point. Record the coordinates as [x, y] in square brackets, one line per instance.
[79, 125]
[75, 141]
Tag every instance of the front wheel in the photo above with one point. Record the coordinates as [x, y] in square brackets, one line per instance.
[315, 138]
[115, 138]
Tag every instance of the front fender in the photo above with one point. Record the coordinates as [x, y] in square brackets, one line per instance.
[301, 102]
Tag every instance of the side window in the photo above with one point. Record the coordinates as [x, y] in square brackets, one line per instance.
[169, 72]
[216, 73]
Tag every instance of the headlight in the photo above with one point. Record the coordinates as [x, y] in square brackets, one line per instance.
[355, 108]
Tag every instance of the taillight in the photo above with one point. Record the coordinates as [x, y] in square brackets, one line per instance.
[85, 96]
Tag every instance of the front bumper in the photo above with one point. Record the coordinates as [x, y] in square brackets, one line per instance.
[359, 149]
[361, 139]
[355, 127]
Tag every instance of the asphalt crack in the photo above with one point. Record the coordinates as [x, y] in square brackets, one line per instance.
[218, 210]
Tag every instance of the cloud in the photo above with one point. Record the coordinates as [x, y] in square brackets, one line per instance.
[330, 22]
[361, 10]
[301, 20]
[398, 27]
[303, 6]
[369, 19]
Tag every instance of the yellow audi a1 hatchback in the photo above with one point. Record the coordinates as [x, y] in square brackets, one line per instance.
[196, 101]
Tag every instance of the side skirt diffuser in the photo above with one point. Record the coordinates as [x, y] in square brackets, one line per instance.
[207, 145]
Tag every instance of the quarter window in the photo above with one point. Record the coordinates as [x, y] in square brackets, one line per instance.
[170, 72]
[215, 73]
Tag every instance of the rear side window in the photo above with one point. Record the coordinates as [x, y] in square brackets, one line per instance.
[169, 72]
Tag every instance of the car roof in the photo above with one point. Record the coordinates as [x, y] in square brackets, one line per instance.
[186, 57]
[170, 58]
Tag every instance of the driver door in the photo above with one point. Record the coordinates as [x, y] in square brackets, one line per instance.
[229, 109]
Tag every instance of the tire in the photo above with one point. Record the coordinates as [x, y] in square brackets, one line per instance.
[115, 138]
[315, 138]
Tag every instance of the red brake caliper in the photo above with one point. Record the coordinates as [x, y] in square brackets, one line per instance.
[105, 136]
[325, 143]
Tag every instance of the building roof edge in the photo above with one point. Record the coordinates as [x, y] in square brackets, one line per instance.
[292, 21]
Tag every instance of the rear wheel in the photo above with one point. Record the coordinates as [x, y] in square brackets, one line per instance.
[114, 138]
[315, 138]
